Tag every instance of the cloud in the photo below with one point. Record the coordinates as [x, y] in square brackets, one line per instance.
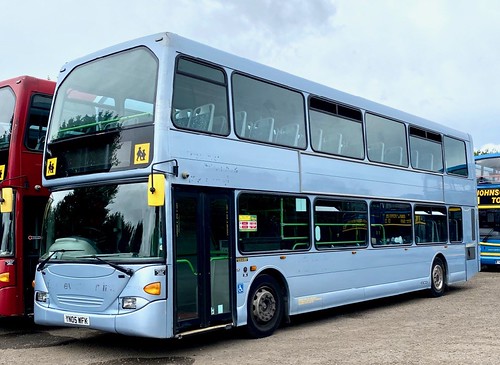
[435, 59]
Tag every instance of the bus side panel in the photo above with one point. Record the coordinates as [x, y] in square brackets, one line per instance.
[326, 175]
[248, 168]
[329, 279]
[10, 303]
[459, 190]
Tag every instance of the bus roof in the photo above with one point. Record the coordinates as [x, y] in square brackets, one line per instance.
[487, 156]
[192, 48]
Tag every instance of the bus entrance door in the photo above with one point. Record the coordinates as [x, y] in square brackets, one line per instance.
[202, 259]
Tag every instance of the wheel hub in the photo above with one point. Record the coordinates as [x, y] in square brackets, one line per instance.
[437, 277]
[264, 305]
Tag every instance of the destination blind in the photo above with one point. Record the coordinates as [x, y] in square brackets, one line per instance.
[488, 197]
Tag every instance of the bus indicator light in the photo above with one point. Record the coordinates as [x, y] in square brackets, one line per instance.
[4, 277]
[153, 288]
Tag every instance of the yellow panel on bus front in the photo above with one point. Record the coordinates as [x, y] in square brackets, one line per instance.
[156, 190]
[7, 201]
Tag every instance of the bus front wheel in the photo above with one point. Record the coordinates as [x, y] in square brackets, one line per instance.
[265, 307]
[438, 278]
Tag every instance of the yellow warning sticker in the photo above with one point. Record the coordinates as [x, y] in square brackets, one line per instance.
[2, 172]
[141, 153]
[51, 166]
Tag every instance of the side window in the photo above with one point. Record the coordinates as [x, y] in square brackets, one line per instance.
[37, 121]
[455, 224]
[336, 129]
[339, 224]
[426, 150]
[430, 224]
[272, 223]
[7, 105]
[386, 140]
[200, 98]
[268, 113]
[390, 223]
[455, 156]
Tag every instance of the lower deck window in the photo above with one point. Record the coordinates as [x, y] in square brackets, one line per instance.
[430, 224]
[272, 223]
[339, 224]
[390, 223]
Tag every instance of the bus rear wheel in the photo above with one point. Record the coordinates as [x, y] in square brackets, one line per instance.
[438, 278]
[265, 307]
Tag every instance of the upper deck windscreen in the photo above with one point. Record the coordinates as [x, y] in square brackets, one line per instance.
[7, 105]
[488, 170]
[103, 111]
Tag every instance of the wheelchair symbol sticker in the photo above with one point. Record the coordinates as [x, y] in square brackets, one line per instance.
[240, 288]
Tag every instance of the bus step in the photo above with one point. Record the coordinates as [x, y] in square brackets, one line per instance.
[226, 326]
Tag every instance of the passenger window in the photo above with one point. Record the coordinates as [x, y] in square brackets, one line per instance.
[455, 156]
[390, 223]
[426, 150]
[386, 140]
[336, 129]
[340, 224]
[268, 113]
[272, 223]
[430, 224]
[200, 98]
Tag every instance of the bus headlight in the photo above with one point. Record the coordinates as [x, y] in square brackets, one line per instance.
[41, 296]
[129, 303]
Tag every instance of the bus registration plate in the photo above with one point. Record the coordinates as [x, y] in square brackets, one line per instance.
[79, 320]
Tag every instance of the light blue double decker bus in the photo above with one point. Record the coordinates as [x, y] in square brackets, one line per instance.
[488, 200]
[193, 190]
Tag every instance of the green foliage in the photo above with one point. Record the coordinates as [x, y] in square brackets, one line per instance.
[484, 152]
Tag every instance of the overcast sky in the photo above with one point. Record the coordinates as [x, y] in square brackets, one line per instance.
[438, 59]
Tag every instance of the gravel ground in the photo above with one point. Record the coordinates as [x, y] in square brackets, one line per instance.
[458, 328]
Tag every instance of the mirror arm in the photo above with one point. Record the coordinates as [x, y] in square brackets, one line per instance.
[174, 172]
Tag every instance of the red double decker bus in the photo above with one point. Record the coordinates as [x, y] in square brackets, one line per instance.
[24, 110]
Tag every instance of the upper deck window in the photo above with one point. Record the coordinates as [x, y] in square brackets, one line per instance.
[114, 92]
[200, 98]
[455, 156]
[386, 140]
[426, 150]
[37, 121]
[268, 113]
[336, 129]
[7, 105]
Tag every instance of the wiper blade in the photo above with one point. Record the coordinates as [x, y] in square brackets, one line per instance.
[44, 262]
[124, 270]
[490, 233]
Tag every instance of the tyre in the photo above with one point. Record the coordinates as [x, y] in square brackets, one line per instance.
[438, 278]
[264, 307]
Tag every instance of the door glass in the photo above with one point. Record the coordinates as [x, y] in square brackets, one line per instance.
[187, 258]
[218, 214]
